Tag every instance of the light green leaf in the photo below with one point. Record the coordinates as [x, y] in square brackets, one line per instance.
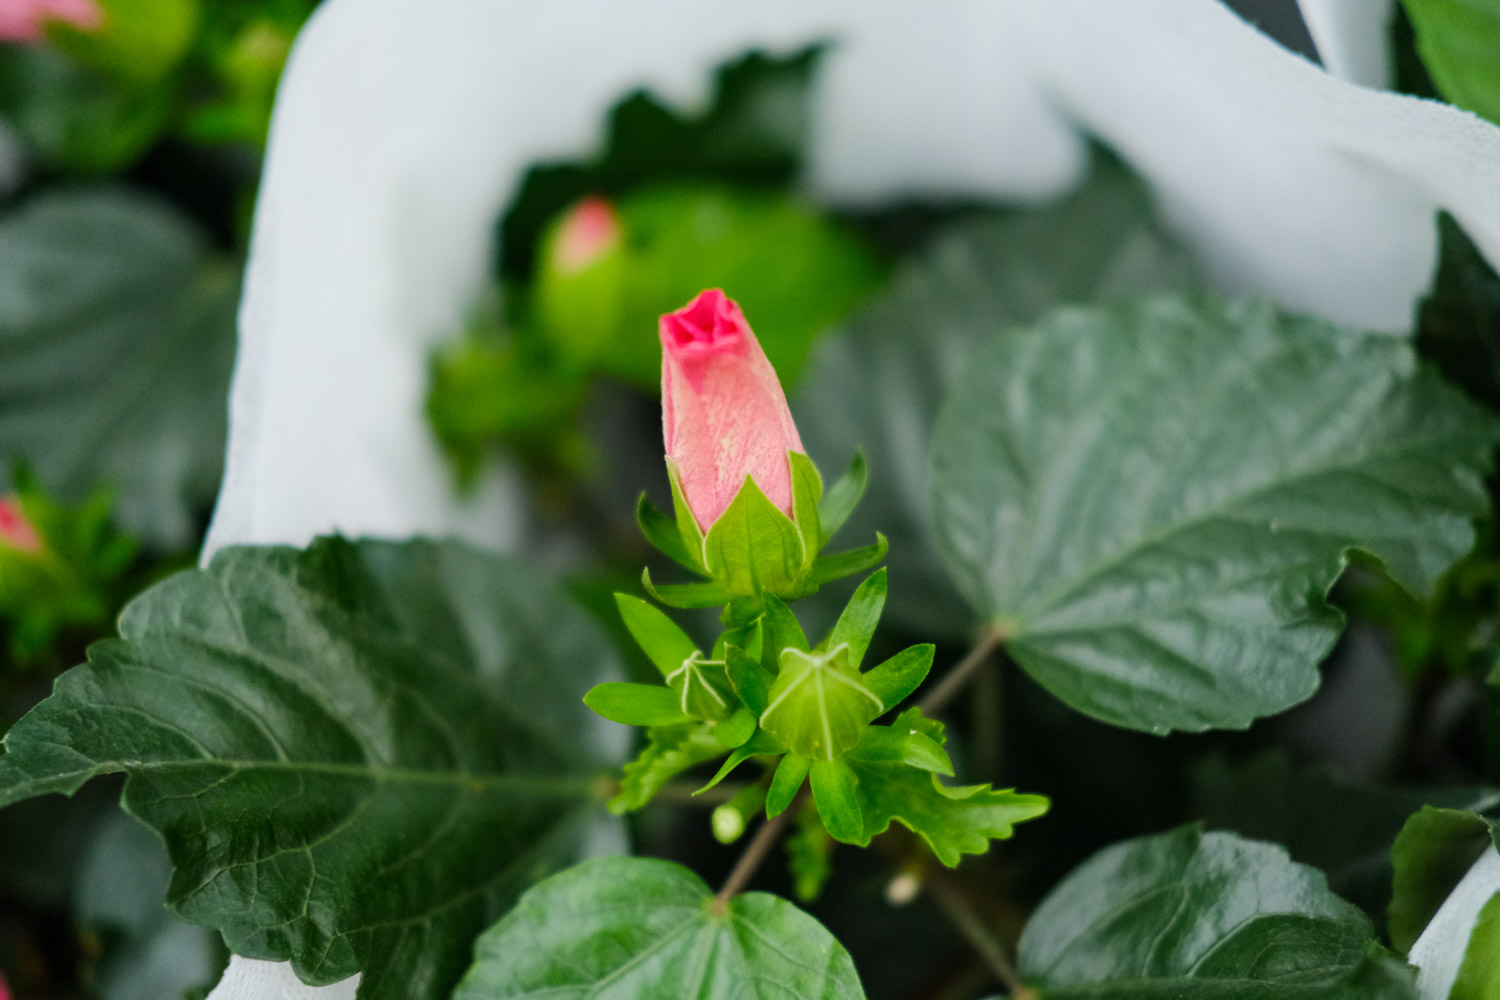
[636, 704]
[781, 630]
[895, 679]
[753, 548]
[659, 637]
[786, 783]
[841, 499]
[856, 625]
[116, 343]
[1457, 40]
[1479, 975]
[826, 569]
[638, 927]
[878, 384]
[752, 682]
[899, 784]
[737, 728]
[758, 744]
[1152, 500]
[332, 744]
[1188, 915]
[669, 751]
[833, 789]
[819, 704]
[1432, 853]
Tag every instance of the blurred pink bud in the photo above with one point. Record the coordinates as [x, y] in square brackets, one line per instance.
[589, 230]
[16, 532]
[723, 413]
[24, 20]
[4, 987]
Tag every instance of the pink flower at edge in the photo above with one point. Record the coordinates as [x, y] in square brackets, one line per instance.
[26, 20]
[4, 986]
[16, 532]
[723, 413]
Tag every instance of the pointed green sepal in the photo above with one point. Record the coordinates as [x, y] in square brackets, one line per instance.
[856, 625]
[687, 524]
[807, 492]
[685, 595]
[894, 680]
[665, 535]
[841, 499]
[820, 704]
[635, 704]
[781, 630]
[660, 638]
[833, 789]
[758, 745]
[835, 567]
[734, 731]
[752, 682]
[753, 548]
[786, 783]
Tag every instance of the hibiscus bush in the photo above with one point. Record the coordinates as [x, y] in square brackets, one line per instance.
[795, 501]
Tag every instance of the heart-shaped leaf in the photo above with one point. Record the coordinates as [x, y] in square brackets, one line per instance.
[358, 755]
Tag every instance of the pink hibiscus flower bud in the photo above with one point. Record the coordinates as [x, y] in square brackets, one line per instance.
[724, 416]
[590, 230]
[26, 20]
[16, 532]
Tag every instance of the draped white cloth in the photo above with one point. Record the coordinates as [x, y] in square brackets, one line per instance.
[403, 126]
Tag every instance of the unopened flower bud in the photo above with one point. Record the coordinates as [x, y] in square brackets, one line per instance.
[26, 20]
[16, 531]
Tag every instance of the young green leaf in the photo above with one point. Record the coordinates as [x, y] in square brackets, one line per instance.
[1433, 851]
[833, 789]
[856, 625]
[781, 630]
[1192, 597]
[758, 744]
[752, 682]
[819, 704]
[826, 569]
[1203, 916]
[639, 927]
[1458, 40]
[636, 704]
[332, 745]
[786, 783]
[895, 679]
[685, 595]
[753, 548]
[665, 535]
[659, 637]
[900, 783]
[669, 751]
[736, 729]
[841, 499]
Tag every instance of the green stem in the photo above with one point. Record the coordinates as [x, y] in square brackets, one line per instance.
[961, 674]
[972, 926]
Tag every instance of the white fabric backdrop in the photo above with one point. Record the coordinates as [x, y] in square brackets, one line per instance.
[403, 125]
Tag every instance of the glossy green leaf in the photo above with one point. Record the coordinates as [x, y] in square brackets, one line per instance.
[833, 789]
[1188, 915]
[331, 743]
[900, 784]
[669, 751]
[1479, 974]
[786, 783]
[1152, 500]
[878, 384]
[819, 704]
[636, 704]
[895, 679]
[116, 342]
[638, 927]
[856, 624]
[753, 548]
[1458, 40]
[1432, 853]
[842, 497]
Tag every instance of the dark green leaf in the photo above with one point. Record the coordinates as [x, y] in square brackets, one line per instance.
[1458, 40]
[833, 789]
[116, 342]
[636, 704]
[1153, 500]
[1432, 853]
[895, 679]
[638, 927]
[1189, 915]
[897, 783]
[669, 751]
[878, 385]
[841, 499]
[856, 625]
[333, 744]
[1458, 323]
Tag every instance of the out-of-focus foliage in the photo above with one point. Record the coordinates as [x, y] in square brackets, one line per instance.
[1458, 40]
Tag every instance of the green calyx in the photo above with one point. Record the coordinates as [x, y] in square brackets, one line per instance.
[754, 549]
